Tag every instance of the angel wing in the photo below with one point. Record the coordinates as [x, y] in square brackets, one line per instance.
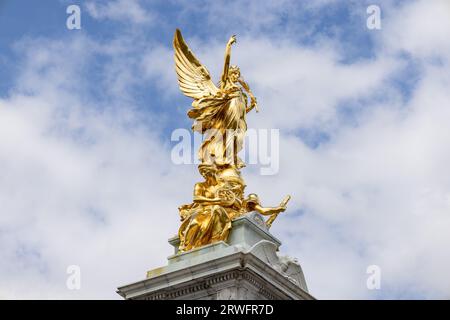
[193, 77]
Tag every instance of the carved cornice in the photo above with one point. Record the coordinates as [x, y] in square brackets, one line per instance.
[213, 281]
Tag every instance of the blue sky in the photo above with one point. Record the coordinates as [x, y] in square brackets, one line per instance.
[341, 22]
[86, 118]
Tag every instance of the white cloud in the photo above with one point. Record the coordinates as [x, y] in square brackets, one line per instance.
[377, 193]
[129, 11]
[78, 184]
[422, 29]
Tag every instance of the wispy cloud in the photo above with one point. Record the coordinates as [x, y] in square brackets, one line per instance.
[130, 11]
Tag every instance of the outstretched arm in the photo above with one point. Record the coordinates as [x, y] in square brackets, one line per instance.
[226, 65]
[267, 211]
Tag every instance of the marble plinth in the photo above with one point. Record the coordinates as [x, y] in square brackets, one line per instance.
[247, 266]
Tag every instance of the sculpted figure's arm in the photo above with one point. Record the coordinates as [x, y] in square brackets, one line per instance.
[253, 103]
[268, 211]
[200, 198]
[226, 65]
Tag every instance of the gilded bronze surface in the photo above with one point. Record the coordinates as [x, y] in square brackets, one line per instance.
[219, 115]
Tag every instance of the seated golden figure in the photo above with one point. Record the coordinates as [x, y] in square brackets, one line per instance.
[207, 219]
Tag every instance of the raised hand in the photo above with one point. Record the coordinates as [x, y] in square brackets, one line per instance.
[254, 103]
[232, 40]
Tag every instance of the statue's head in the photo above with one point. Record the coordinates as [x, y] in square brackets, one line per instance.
[251, 202]
[234, 73]
[253, 198]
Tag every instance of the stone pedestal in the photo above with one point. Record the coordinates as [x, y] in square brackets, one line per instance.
[248, 266]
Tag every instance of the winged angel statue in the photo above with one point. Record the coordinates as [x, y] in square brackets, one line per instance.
[219, 115]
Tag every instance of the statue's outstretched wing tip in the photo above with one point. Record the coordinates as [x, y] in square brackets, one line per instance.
[176, 38]
[193, 77]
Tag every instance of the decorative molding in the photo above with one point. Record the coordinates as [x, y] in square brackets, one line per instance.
[212, 281]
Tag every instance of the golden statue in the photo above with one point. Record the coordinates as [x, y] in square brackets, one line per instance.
[219, 115]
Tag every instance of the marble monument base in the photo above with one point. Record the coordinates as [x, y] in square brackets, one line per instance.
[247, 267]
